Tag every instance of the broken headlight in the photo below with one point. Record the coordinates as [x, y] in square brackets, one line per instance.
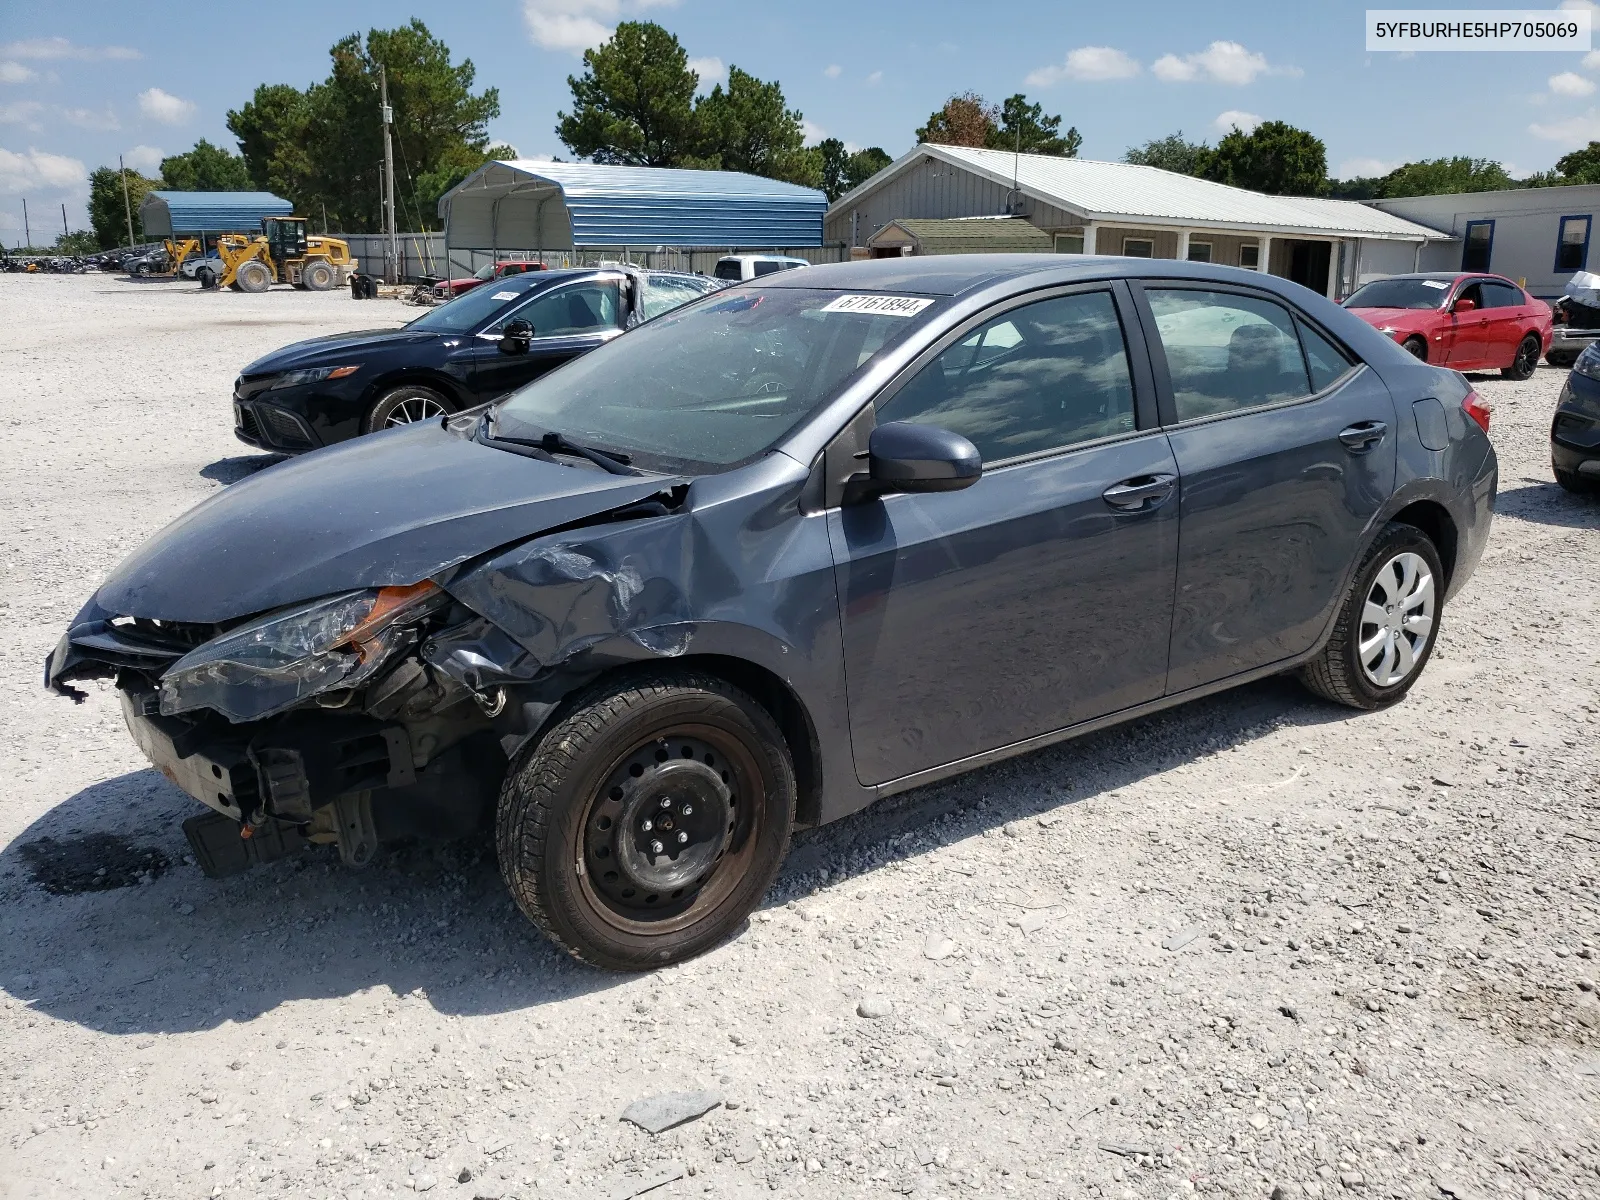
[275, 661]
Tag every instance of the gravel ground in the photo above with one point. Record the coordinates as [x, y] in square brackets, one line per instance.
[1256, 946]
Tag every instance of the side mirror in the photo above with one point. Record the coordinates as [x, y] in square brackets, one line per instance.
[904, 457]
[515, 336]
[1464, 305]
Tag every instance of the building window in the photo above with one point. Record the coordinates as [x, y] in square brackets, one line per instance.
[1138, 248]
[1199, 251]
[1572, 246]
[1250, 256]
[1069, 243]
[1478, 246]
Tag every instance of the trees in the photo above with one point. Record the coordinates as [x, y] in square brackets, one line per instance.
[206, 168]
[748, 128]
[322, 148]
[843, 171]
[1437, 176]
[968, 119]
[1581, 166]
[1170, 153]
[107, 213]
[634, 102]
[1275, 158]
[1358, 187]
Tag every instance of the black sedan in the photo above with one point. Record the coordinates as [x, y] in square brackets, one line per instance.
[793, 548]
[481, 345]
[1575, 432]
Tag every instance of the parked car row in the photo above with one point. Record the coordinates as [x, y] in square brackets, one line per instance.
[773, 554]
[1468, 321]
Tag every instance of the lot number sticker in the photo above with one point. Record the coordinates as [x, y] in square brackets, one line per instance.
[505, 295]
[881, 306]
[1434, 283]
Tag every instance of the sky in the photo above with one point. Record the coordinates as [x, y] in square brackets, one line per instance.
[82, 81]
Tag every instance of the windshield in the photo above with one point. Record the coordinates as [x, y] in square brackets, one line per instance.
[484, 272]
[714, 384]
[470, 310]
[1400, 293]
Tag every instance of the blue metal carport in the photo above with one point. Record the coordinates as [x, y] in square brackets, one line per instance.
[528, 205]
[172, 214]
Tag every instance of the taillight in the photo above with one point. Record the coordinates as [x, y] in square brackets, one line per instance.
[1475, 408]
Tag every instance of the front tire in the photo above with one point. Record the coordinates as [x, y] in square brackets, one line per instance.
[1525, 360]
[318, 277]
[645, 826]
[406, 405]
[1578, 485]
[1387, 625]
[253, 277]
[1416, 347]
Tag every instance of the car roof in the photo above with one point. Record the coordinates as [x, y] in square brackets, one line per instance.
[1450, 275]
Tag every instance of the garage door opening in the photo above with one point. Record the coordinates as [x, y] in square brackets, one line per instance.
[1309, 264]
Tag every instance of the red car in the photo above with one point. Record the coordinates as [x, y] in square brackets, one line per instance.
[449, 289]
[1465, 321]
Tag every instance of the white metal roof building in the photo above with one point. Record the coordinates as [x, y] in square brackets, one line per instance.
[1118, 208]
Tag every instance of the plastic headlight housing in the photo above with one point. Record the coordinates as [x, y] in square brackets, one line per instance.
[1588, 364]
[311, 375]
[287, 656]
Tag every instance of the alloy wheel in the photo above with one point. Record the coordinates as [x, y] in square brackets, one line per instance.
[1396, 620]
[1527, 357]
[413, 409]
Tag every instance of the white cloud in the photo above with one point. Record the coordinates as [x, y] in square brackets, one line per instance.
[811, 131]
[1355, 168]
[37, 170]
[1220, 62]
[710, 70]
[1570, 5]
[574, 26]
[1087, 64]
[1570, 83]
[87, 118]
[1246, 121]
[875, 79]
[832, 70]
[59, 47]
[24, 113]
[1574, 131]
[1591, 61]
[144, 158]
[165, 107]
[15, 72]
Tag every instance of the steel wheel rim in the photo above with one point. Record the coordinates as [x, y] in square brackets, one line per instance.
[614, 872]
[413, 409]
[1396, 620]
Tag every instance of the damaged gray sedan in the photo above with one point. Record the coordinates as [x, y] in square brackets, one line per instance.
[797, 546]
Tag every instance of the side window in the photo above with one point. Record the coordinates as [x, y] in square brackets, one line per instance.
[1472, 291]
[1572, 244]
[1046, 375]
[1501, 295]
[664, 295]
[1327, 362]
[765, 268]
[1226, 351]
[579, 308]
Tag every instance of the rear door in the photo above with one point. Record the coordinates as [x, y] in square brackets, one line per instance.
[1040, 596]
[1285, 448]
[567, 321]
[1503, 321]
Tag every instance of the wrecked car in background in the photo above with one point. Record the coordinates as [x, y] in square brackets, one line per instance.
[794, 547]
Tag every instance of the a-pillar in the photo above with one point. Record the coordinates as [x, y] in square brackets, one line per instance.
[1183, 245]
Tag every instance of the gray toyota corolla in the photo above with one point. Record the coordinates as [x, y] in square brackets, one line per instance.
[795, 547]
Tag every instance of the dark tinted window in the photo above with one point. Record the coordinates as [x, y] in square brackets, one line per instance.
[1400, 293]
[1471, 291]
[728, 268]
[1045, 375]
[470, 310]
[1327, 361]
[1572, 247]
[577, 308]
[765, 268]
[1227, 351]
[1501, 295]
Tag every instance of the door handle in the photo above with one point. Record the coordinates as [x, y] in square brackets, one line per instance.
[1142, 493]
[1363, 435]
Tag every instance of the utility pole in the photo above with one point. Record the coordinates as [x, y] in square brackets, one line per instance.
[391, 242]
[65, 232]
[27, 234]
[127, 205]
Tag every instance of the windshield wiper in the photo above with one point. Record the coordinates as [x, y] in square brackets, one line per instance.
[550, 444]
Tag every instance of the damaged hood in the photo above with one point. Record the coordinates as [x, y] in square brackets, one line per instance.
[334, 349]
[387, 509]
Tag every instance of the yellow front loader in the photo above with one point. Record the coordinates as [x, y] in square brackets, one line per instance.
[179, 249]
[284, 253]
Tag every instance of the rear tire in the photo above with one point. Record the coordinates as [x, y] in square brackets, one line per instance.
[253, 276]
[406, 405]
[1416, 347]
[1375, 653]
[1525, 361]
[1578, 485]
[1562, 359]
[319, 277]
[581, 844]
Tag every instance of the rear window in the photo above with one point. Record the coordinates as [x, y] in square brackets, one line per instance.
[729, 268]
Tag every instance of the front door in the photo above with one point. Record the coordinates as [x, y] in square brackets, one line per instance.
[567, 321]
[1469, 331]
[1286, 451]
[1042, 595]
